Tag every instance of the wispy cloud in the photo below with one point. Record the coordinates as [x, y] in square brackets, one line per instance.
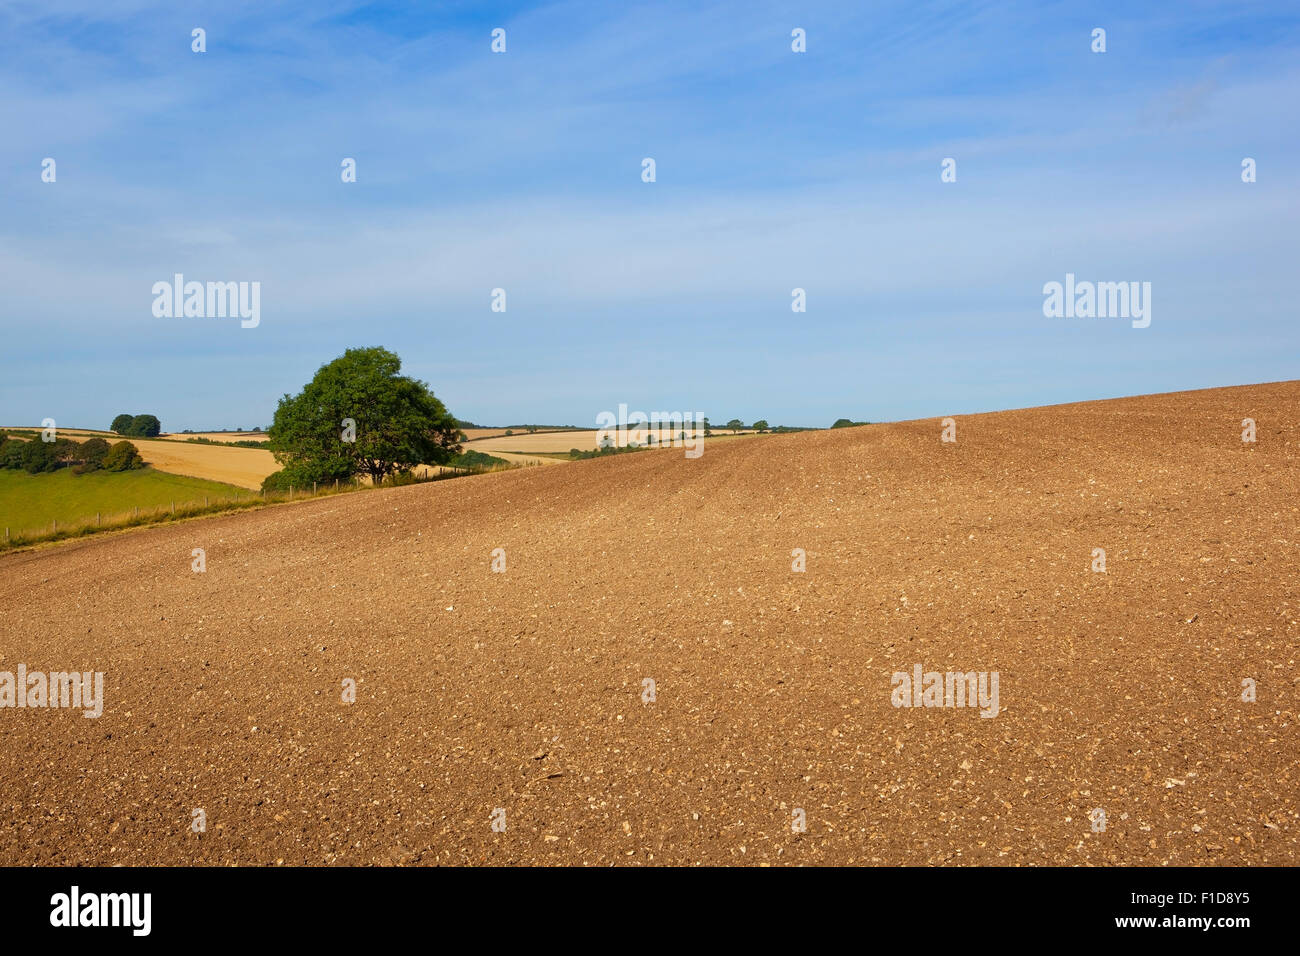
[776, 170]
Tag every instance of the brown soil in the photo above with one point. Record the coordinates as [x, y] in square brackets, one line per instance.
[1119, 690]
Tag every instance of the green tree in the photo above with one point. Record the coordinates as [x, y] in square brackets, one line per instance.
[399, 424]
[145, 426]
[66, 451]
[122, 424]
[761, 425]
[735, 425]
[39, 456]
[92, 454]
[11, 453]
[93, 450]
[281, 480]
[122, 456]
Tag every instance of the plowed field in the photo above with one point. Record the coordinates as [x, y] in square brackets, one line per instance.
[1119, 691]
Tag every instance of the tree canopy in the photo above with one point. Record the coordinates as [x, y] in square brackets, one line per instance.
[137, 426]
[146, 426]
[122, 456]
[359, 416]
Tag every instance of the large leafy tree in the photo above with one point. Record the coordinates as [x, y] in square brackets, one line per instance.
[38, 456]
[145, 426]
[93, 451]
[137, 426]
[399, 422]
[122, 456]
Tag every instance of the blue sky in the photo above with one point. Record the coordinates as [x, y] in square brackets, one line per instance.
[522, 171]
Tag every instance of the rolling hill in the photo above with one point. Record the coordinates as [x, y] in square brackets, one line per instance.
[1120, 690]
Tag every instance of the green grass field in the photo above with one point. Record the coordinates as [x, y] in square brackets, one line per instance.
[30, 503]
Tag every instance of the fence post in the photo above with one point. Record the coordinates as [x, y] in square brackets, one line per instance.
[96, 519]
[313, 487]
[173, 507]
[56, 525]
[291, 491]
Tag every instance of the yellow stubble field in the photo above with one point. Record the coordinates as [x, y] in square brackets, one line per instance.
[245, 467]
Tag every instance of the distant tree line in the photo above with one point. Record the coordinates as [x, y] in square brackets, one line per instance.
[136, 426]
[607, 448]
[477, 459]
[761, 426]
[95, 454]
[242, 443]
